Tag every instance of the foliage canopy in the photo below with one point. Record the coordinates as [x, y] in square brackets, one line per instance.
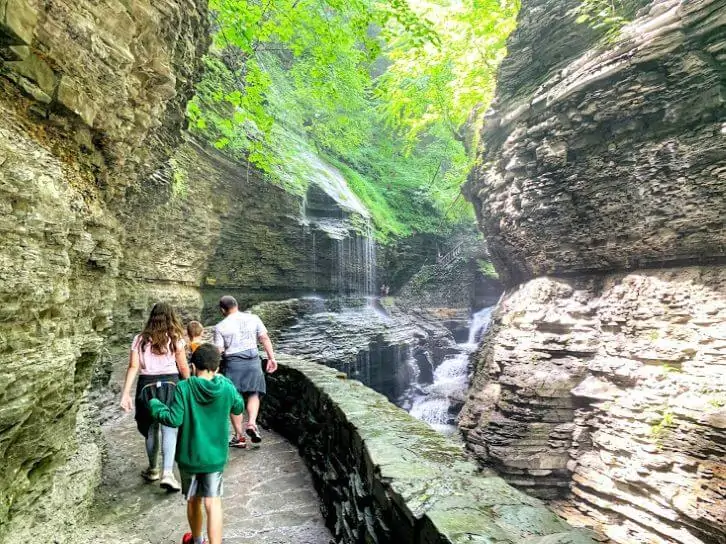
[380, 88]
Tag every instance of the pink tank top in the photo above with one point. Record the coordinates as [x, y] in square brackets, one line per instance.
[151, 364]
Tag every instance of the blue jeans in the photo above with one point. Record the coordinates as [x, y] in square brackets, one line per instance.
[168, 446]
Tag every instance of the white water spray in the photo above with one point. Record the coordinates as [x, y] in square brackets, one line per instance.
[451, 380]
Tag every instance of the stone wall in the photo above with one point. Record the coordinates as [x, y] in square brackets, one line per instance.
[602, 196]
[91, 97]
[397, 481]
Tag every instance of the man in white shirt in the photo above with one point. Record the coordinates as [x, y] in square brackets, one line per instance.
[236, 337]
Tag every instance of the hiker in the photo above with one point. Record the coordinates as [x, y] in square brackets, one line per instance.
[158, 357]
[236, 337]
[199, 409]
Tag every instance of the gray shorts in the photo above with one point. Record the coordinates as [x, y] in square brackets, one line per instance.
[210, 484]
[245, 373]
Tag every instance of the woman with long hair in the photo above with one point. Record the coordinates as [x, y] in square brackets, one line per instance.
[158, 357]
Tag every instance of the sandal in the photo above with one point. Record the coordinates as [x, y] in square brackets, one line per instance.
[238, 442]
[253, 433]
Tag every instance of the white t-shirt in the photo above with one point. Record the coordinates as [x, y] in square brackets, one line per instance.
[238, 332]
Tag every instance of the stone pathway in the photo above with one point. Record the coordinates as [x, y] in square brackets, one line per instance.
[269, 497]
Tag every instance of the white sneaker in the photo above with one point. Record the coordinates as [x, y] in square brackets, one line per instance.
[169, 483]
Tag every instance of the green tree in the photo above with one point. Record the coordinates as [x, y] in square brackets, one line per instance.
[444, 82]
[379, 88]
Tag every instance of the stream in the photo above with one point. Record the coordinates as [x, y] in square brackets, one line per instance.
[406, 354]
[439, 403]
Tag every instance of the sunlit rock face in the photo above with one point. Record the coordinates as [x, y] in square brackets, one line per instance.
[92, 97]
[601, 192]
[613, 156]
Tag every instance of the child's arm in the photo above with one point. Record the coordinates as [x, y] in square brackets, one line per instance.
[171, 416]
[126, 401]
[181, 362]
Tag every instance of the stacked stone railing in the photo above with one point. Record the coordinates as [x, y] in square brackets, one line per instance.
[384, 476]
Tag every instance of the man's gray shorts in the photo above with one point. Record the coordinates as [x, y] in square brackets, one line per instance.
[202, 485]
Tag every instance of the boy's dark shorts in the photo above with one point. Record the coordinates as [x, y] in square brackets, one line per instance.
[210, 484]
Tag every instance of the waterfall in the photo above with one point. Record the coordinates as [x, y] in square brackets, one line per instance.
[370, 260]
[437, 404]
[434, 411]
[314, 283]
[479, 324]
[354, 262]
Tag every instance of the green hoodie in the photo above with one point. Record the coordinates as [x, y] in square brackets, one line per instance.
[201, 410]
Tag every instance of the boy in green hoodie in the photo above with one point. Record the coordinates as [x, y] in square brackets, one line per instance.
[201, 409]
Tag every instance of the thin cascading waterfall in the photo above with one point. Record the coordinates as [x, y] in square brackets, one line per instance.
[453, 368]
[357, 263]
[434, 404]
[366, 244]
[315, 262]
[308, 234]
[354, 268]
[370, 260]
[340, 266]
[451, 376]
[479, 324]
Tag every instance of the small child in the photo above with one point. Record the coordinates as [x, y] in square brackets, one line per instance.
[200, 409]
[195, 331]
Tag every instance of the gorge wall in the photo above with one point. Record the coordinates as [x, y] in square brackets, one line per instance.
[461, 278]
[601, 191]
[92, 98]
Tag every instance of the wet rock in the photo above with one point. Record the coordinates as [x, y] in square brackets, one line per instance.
[387, 349]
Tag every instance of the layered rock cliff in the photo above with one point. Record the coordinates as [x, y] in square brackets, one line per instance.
[601, 191]
[203, 225]
[92, 97]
